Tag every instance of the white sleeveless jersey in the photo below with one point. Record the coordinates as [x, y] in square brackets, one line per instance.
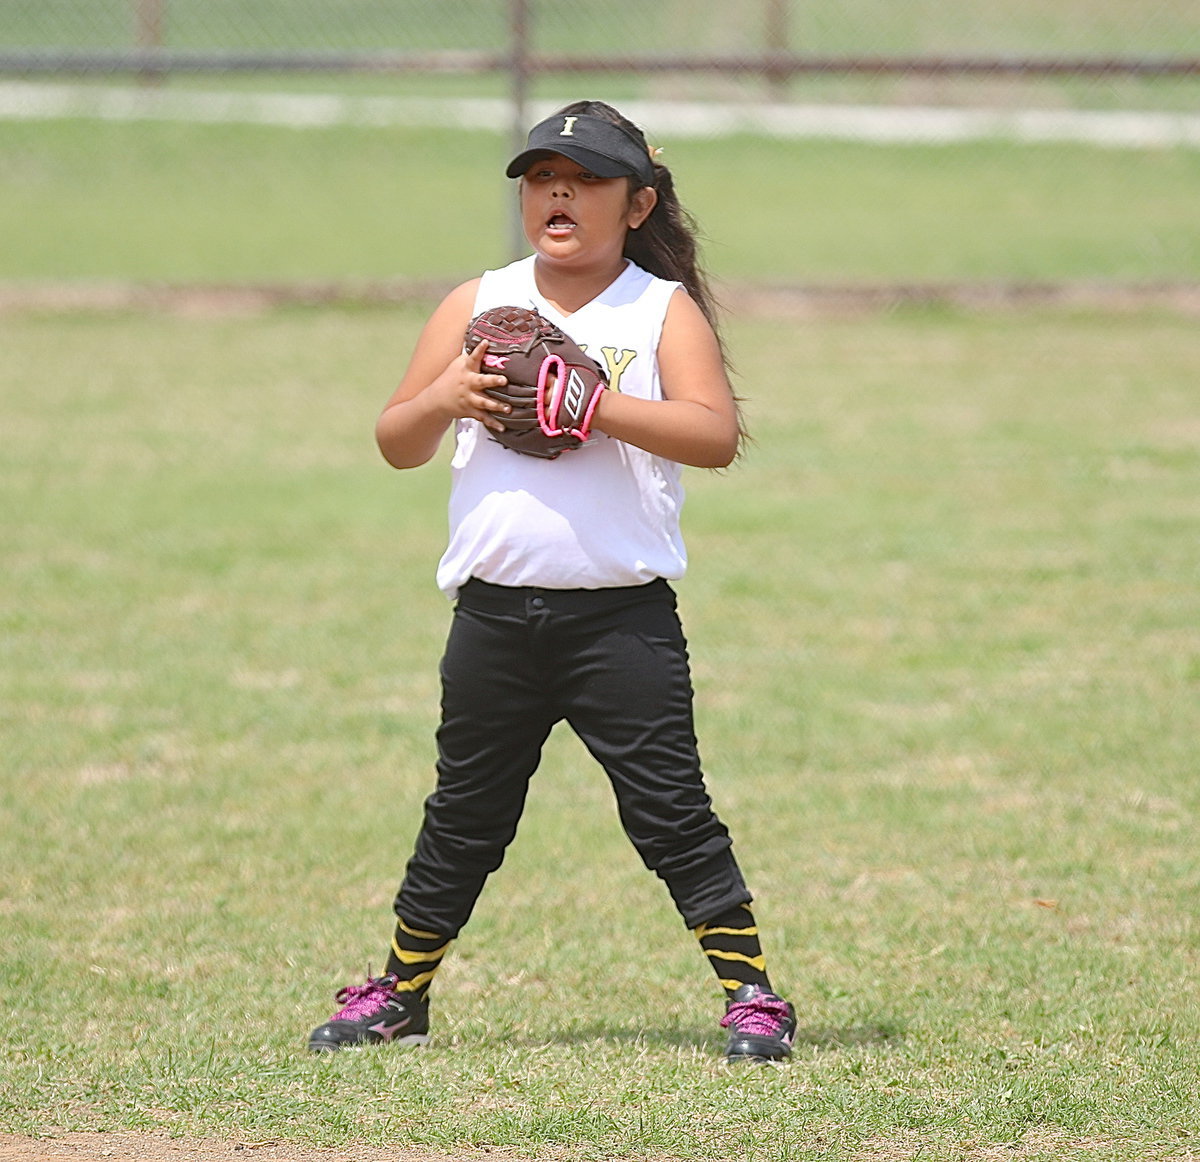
[602, 515]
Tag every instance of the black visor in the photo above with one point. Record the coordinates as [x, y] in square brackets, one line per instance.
[605, 149]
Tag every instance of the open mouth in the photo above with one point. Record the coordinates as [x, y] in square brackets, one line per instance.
[560, 222]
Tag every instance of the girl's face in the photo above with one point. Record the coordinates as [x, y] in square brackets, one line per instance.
[572, 216]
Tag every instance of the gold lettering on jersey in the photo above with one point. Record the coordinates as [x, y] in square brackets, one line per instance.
[568, 129]
[614, 364]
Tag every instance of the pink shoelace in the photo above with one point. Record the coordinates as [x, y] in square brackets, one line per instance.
[764, 1015]
[363, 1000]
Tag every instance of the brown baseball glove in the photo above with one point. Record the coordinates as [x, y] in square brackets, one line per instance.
[553, 387]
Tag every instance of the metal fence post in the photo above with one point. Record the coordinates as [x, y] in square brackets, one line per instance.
[149, 24]
[519, 81]
[776, 37]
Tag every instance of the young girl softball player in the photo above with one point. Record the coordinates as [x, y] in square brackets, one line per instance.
[560, 570]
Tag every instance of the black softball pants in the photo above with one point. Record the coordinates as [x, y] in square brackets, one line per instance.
[613, 664]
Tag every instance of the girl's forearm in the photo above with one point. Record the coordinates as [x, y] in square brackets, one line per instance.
[682, 430]
[409, 432]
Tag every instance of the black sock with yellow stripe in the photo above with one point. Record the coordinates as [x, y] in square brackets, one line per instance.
[414, 958]
[730, 941]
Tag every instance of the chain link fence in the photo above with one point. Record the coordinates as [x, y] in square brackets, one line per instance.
[789, 43]
[127, 95]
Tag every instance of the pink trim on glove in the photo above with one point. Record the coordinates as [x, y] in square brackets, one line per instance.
[548, 418]
[549, 429]
[585, 428]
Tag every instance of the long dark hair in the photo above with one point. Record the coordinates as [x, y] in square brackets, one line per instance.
[667, 242]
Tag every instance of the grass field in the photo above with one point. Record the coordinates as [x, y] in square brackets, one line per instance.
[944, 620]
[179, 202]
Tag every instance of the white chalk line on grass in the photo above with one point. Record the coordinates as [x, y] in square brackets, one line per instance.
[876, 124]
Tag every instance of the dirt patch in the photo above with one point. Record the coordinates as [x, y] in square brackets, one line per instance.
[805, 301]
[206, 299]
[789, 301]
[95, 1147]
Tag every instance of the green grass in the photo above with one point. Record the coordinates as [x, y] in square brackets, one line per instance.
[177, 202]
[944, 624]
[1072, 27]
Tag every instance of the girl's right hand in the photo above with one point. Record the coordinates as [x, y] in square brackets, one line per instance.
[460, 391]
[441, 384]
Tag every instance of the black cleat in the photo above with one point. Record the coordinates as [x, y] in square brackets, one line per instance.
[372, 1014]
[761, 1027]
